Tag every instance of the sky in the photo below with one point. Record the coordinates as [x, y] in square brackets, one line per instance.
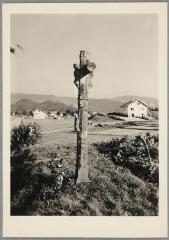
[123, 46]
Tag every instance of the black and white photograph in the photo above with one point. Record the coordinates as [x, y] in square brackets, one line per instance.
[84, 114]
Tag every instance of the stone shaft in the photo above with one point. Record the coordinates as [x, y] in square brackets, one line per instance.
[82, 135]
[83, 74]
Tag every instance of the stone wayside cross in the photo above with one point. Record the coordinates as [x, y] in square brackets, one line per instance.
[83, 74]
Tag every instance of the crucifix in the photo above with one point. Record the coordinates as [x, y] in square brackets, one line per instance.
[83, 74]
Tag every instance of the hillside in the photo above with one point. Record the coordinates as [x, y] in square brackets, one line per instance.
[23, 104]
[26, 104]
[51, 106]
[15, 97]
[113, 189]
[103, 105]
[51, 102]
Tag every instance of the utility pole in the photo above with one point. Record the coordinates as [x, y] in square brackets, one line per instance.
[83, 74]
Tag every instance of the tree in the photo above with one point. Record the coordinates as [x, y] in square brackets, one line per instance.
[31, 113]
[24, 112]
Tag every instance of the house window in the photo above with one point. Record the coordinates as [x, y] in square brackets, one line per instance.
[132, 109]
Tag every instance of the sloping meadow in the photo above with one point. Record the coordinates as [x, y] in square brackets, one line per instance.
[123, 177]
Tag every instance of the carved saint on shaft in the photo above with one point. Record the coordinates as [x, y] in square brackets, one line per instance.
[84, 69]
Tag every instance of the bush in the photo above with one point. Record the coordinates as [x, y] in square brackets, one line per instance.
[140, 155]
[117, 114]
[35, 180]
[24, 135]
[22, 160]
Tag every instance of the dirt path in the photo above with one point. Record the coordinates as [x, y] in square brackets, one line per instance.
[57, 130]
[108, 132]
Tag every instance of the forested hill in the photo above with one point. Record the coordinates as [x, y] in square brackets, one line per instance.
[51, 102]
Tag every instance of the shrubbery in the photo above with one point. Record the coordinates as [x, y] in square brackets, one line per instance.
[140, 155]
[22, 160]
[24, 135]
[40, 185]
[45, 182]
[50, 175]
[32, 178]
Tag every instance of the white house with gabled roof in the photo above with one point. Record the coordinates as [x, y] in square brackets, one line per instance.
[134, 108]
[39, 114]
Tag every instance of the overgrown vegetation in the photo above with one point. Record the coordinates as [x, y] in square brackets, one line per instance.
[24, 136]
[22, 160]
[140, 155]
[42, 179]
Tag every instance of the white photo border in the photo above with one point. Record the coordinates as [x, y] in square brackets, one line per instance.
[61, 226]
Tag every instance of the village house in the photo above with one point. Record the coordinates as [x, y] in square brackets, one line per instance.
[60, 114]
[53, 114]
[134, 108]
[39, 114]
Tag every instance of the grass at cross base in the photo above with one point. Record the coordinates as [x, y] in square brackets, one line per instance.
[112, 190]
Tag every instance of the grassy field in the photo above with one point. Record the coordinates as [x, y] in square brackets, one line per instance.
[113, 189]
[46, 124]
[105, 132]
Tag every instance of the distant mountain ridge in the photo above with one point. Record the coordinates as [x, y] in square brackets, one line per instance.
[29, 105]
[52, 102]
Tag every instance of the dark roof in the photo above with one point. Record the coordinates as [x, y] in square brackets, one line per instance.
[135, 100]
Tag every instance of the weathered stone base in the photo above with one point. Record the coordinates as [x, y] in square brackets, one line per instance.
[81, 179]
